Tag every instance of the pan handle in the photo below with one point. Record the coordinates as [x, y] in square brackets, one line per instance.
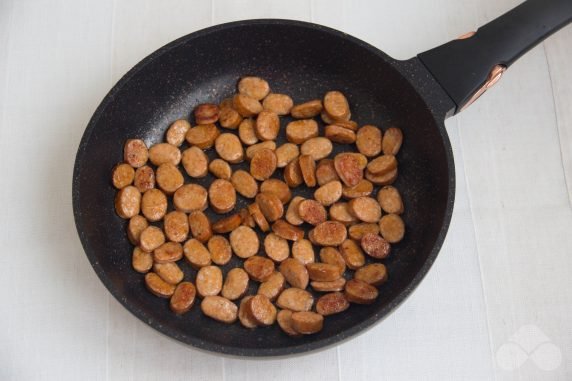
[473, 63]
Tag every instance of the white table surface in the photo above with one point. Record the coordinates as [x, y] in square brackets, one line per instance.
[496, 305]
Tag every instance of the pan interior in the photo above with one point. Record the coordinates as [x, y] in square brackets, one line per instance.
[298, 60]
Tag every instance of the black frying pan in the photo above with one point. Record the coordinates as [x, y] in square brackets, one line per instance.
[303, 60]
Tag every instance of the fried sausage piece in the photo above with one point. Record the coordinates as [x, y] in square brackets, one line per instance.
[368, 140]
[329, 233]
[375, 246]
[283, 229]
[220, 309]
[390, 200]
[195, 162]
[158, 286]
[263, 164]
[220, 250]
[122, 175]
[196, 253]
[154, 204]
[206, 113]
[169, 178]
[332, 303]
[295, 273]
[128, 202]
[392, 228]
[176, 133]
[259, 268]
[308, 109]
[136, 225]
[202, 136]
[244, 242]
[359, 292]
[352, 254]
[144, 178]
[366, 209]
[200, 226]
[374, 274]
[392, 140]
[254, 87]
[222, 196]
[151, 238]
[220, 169]
[141, 261]
[295, 299]
[209, 281]
[162, 153]
[244, 183]
[281, 104]
[307, 322]
[183, 298]
[135, 153]
[190, 197]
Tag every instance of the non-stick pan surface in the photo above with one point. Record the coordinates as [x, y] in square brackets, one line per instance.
[302, 60]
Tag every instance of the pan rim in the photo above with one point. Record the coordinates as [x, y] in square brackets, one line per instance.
[233, 351]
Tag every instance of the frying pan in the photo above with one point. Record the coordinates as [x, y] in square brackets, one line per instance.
[303, 60]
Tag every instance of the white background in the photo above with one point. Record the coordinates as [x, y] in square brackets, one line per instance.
[506, 262]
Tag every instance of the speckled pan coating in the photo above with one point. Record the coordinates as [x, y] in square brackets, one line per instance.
[300, 59]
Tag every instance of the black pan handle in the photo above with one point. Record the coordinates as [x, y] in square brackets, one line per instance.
[470, 65]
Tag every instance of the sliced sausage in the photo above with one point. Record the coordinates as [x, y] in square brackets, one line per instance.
[374, 274]
[392, 228]
[333, 286]
[332, 256]
[229, 118]
[338, 134]
[162, 153]
[244, 315]
[263, 164]
[190, 197]
[284, 319]
[250, 151]
[141, 261]
[303, 251]
[246, 105]
[390, 200]
[202, 136]
[169, 178]
[307, 322]
[278, 188]
[299, 131]
[135, 153]
[318, 148]
[326, 172]
[206, 113]
[295, 273]
[127, 202]
[267, 125]
[336, 105]
[151, 238]
[368, 140]
[259, 268]
[272, 286]
[348, 169]
[361, 189]
[220, 250]
[323, 272]
[254, 87]
[331, 304]
[196, 253]
[168, 252]
[136, 225]
[222, 196]
[356, 232]
[329, 193]
[144, 178]
[195, 162]
[270, 205]
[183, 298]
[227, 224]
[312, 212]
[200, 226]
[158, 286]
[154, 204]
[244, 242]
[176, 133]
[246, 132]
[261, 310]
[220, 169]
[235, 284]
[366, 209]
[295, 299]
[307, 169]
[244, 183]
[289, 232]
[229, 148]
[352, 254]
[276, 247]
[392, 140]
[340, 212]
[359, 292]
[292, 215]
[258, 217]
[122, 175]
[170, 272]
[308, 109]
[209, 281]
[286, 153]
[329, 233]
[375, 246]
[293, 173]
[220, 309]
[281, 104]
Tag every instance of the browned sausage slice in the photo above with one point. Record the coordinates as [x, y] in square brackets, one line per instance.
[332, 303]
[122, 175]
[183, 298]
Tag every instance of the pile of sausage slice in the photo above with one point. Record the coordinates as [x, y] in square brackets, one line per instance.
[353, 217]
